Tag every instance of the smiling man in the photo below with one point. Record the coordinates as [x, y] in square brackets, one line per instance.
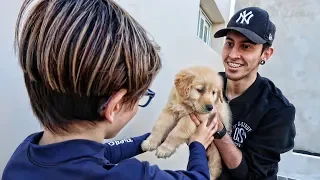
[263, 118]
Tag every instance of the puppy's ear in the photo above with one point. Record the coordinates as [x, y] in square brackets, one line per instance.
[182, 82]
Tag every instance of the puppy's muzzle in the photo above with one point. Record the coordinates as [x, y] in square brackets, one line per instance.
[209, 107]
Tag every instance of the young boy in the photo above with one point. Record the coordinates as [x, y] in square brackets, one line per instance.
[86, 64]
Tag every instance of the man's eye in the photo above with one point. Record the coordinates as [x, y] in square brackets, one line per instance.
[246, 47]
[229, 44]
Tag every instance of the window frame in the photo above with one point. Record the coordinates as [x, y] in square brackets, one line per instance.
[206, 24]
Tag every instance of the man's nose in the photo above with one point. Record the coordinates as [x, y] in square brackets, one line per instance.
[234, 54]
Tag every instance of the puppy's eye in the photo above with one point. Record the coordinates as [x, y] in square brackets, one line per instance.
[200, 90]
[213, 92]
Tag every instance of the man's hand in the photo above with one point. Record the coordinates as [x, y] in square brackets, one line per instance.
[204, 132]
[230, 154]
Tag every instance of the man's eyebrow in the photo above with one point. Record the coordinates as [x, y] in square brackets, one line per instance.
[244, 41]
[228, 38]
[248, 41]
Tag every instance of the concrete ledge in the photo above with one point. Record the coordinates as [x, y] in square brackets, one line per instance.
[299, 166]
[306, 152]
[213, 12]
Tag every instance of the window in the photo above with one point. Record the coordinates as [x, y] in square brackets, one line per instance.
[204, 27]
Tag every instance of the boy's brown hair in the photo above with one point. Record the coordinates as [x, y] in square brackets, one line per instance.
[76, 53]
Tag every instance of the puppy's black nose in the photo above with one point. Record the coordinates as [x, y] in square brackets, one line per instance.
[209, 107]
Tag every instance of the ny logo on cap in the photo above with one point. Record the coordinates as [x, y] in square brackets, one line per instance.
[245, 17]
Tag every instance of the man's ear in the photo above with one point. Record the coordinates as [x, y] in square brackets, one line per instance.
[267, 53]
[182, 82]
[114, 105]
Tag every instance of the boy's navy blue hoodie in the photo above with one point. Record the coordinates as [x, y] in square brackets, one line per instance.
[84, 159]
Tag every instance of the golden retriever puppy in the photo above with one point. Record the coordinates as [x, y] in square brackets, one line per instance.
[197, 90]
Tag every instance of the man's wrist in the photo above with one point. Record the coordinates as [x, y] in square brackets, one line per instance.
[230, 153]
[221, 132]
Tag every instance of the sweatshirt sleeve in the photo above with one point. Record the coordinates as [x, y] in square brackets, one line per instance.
[124, 149]
[262, 149]
[197, 168]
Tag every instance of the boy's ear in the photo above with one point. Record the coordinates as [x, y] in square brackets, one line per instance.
[114, 105]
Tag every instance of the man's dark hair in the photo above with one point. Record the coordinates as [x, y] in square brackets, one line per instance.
[265, 46]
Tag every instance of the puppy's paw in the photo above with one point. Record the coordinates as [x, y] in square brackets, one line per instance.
[148, 145]
[164, 151]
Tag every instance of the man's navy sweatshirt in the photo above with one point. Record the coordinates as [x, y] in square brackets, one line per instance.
[84, 159]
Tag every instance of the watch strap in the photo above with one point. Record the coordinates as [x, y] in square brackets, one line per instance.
[220, 134]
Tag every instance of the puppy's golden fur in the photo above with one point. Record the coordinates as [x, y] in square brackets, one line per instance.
[196, 90]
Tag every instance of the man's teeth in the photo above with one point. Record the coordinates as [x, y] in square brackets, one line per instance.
[235, 65]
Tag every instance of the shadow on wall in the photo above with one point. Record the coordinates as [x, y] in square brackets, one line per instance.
[294, 67]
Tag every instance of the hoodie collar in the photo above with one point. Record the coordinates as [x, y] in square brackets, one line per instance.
[249, 95]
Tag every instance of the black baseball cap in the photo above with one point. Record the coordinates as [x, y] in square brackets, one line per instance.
[252, 22]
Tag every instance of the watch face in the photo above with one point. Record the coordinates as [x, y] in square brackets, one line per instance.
[217, 135]
[220, 134]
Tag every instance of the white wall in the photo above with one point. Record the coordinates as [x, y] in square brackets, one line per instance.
[173, 24]
[17, 120]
